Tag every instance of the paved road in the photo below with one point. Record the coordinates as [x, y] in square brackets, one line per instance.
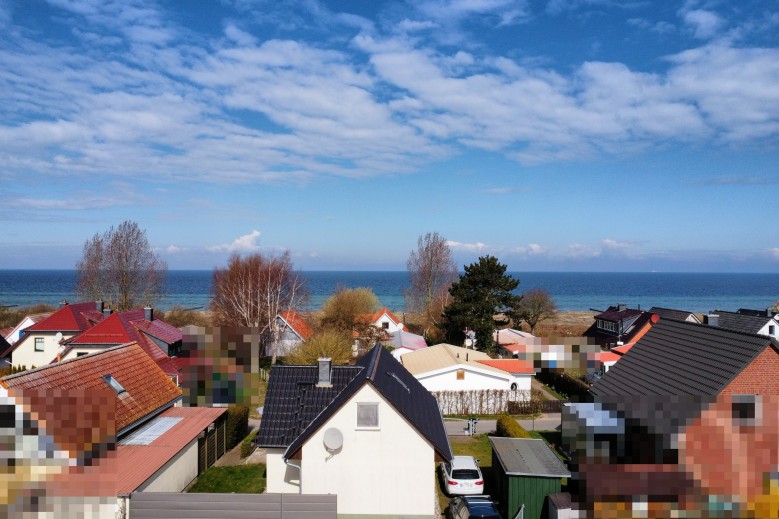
[546, 422]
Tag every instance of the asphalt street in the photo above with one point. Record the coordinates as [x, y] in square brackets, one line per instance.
[546, 422]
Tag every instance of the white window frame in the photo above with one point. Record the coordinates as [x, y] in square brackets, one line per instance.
[367, 405]
[757, 403]
[40, 340]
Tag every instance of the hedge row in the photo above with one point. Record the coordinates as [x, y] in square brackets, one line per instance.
[237, 426]
[247, 445]
[508, 427]
[575, 389]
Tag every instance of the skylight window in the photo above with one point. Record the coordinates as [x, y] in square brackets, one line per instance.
[115, 385]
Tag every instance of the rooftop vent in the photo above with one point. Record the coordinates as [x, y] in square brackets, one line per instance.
[325, 372]
[713, 320]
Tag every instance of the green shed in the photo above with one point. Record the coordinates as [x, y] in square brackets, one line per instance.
[526, 471]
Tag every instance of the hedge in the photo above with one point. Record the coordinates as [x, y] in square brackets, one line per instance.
[508, 427]
[247, 445]
[237, 426]
[575, 389]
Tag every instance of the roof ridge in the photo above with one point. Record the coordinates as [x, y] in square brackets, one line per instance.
[61, 363]
[718, 328]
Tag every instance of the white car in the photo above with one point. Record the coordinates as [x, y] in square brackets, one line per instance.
[462, 476]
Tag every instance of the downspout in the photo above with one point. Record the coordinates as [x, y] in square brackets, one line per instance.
[300, 473]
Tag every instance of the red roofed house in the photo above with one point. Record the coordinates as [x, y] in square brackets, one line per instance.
[111, 426]
[293, 331]
[160, 340]
[386, 320]
[40, 342]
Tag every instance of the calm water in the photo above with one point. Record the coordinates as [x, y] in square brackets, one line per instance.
[571, 290]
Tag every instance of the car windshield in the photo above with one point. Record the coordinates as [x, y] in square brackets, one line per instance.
[465, 474]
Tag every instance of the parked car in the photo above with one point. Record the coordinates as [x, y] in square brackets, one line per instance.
[472, 507]
[462, 476]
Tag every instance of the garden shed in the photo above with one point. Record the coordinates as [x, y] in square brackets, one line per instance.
[526, 472]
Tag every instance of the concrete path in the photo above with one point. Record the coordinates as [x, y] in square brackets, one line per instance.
[233, 457]
[535, 384]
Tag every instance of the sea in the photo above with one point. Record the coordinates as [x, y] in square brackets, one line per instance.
[572, 291]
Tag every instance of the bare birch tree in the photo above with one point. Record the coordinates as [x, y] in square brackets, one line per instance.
[253, 290]
[120, 268]
[431, 271]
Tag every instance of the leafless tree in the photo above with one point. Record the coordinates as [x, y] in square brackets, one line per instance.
[253, 290]
[431, 271]
[535, 306]
[120, 268]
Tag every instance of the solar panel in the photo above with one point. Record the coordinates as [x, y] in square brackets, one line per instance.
[151, 431]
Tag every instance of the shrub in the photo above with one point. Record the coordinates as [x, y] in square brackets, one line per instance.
[237, 425]
[508, 427]
[247, 445]
[575, 389]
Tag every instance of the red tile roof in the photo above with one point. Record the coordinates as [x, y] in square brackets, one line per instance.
[608, 356]
[70, 318]
[375, 317]
[130, 466]
[132, 326]
[510, 365]
[621, 350]
[147, 387]
[298, 324]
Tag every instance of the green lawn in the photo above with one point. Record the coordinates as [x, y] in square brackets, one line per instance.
[241, 479]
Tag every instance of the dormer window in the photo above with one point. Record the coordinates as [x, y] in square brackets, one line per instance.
[114, 384]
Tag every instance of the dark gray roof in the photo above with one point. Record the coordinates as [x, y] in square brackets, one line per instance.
[303, 415]
[293, 401]
[528, 457]
[740, 322]
[681, 358]
[671, 313]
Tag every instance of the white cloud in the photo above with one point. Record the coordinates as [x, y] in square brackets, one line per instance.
[245, 243]
[173, 249]
[470, 247]
[774, 252]
[616, 244]
[705, 24]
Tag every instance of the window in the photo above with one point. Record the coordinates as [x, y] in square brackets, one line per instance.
[385, 325]
[746, 409]
[772, 330]
[115, 385]
[368, 416]
[39, 344]
[82, 353]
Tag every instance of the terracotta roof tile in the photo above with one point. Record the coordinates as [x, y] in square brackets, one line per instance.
[147, 387]
[297, 323]
[510, 365]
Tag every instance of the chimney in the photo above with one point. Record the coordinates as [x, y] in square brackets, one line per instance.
[148, 313]
[99, 305]
[622, 307]
[106, 312]
[325, 372]
[63, 303]
[713, 320]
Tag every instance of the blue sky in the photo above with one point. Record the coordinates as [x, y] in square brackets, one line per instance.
[582, 135]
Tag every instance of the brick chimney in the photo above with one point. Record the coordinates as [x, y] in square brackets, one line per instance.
[99, 305]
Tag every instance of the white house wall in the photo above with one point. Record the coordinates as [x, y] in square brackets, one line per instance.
[281, 477]
[176, 474]
[25, 354]
[389, 470]
[472, 379]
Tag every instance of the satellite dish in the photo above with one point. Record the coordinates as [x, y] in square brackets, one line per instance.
[58, 337]
[333, 439]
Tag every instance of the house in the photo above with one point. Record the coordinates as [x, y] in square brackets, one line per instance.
[526, 472]
[15, 333]
[293, 332]
[619, 325]
[679, 315]
[403, 342]
[160, 340]
[358, 432]
[508, 337]
[447, 368]
[111, 426]
[40, 342]
[688, 419]
[747, 322]
[386, 320]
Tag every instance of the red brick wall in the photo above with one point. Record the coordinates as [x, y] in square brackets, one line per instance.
[761, 377]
